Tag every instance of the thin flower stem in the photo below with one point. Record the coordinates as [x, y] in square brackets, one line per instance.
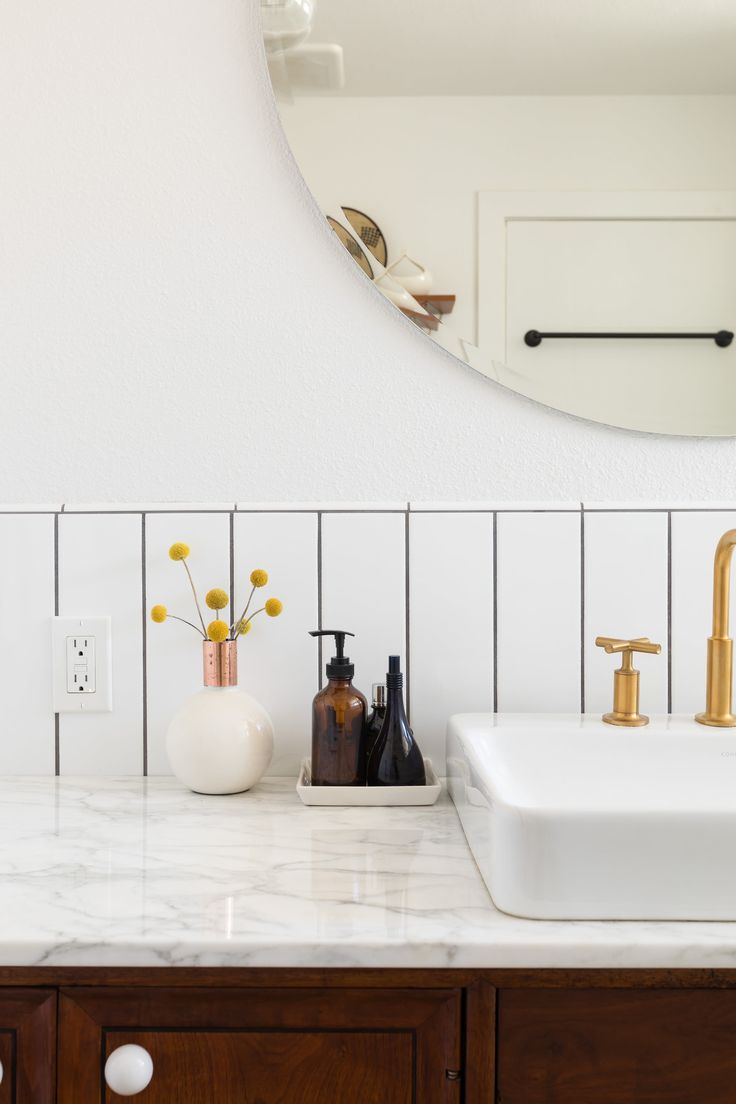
[196, 599]
[247, 604]
[240, 622]
[185, 622]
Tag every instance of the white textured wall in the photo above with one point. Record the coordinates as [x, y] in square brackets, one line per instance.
[177, 323]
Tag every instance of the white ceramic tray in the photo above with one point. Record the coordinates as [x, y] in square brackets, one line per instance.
[367, 795]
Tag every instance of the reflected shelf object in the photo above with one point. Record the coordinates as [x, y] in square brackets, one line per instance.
[417, 125]
[427, 321]
[722, 338]
[438, 304]
[286, 23]
[434, 305]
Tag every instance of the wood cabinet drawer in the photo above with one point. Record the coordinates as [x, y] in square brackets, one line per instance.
[265, 1046]
[371, 1067]
[616, 1047]
[27, 1046]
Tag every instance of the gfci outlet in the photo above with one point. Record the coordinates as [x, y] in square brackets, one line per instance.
[82, 664]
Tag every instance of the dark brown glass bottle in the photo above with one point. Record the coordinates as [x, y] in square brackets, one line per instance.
[338, 722]
[395, 759]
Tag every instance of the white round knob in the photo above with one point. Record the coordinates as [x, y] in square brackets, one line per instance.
[128, 1070]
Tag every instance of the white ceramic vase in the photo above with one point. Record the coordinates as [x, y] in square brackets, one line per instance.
[417, 280]
[394, 291]
[221, 739]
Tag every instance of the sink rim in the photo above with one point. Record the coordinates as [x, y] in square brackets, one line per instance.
[651, 793]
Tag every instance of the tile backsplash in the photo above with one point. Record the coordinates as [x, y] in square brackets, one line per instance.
[492, 606]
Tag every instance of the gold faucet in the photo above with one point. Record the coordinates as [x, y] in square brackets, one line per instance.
[719, 680]
[626, 679]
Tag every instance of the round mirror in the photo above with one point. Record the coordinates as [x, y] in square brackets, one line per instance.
[545, 188]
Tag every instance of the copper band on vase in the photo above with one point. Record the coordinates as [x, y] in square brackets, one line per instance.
[220, 663]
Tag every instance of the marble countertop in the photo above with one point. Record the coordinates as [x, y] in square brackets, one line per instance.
[140, 872]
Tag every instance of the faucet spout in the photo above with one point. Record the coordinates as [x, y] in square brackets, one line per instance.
[719, 679]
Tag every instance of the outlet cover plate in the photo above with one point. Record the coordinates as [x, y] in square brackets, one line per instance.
[95, 664]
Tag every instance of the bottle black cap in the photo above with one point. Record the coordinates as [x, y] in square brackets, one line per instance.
[340, 665]
[394, 677]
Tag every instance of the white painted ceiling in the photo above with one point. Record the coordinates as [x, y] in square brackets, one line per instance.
[532, 47]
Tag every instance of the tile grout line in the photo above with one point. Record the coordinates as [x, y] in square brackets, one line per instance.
[495, 610]
[407, 614]
[582, 607]
[232, 565]
[319, 598]
[57, 719]
[144, 643]
[669, 611]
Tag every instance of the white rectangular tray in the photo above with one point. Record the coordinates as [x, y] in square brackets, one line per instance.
[367, 795]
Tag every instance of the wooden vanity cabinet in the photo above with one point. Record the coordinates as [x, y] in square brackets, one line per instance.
[612, 1046]
[265, 1046]
[381, 1036]
[27, 1046]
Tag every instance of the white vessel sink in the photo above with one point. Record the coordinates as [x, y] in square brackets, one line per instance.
[572, 819]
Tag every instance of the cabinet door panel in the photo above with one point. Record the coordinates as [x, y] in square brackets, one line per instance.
[27, 1046]
[274, 1067]
[7, 1057]
[266, 1046]
[616, 1047]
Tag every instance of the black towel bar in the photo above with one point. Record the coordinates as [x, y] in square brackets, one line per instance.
[722, 338]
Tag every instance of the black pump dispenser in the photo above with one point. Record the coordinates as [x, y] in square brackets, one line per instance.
[338, 722]
[340, 665]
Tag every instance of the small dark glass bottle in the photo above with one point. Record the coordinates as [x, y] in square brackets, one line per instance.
[395, 759]
[374, 721]
[338, 723]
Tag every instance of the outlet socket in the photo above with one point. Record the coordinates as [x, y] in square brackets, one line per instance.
[81, 660]
[82, 664]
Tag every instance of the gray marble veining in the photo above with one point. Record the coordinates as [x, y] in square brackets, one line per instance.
[140, 872]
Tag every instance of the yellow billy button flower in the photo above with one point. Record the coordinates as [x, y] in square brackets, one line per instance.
[216, 599]
[273, 606]
[158, 614]
[217, 631]
[259, 577]
[244, 627]
[179, 551]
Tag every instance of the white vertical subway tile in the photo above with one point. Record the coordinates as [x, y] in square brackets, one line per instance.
[625, 596]
[173, 650]
[364, 589]
[363, 583]
[491, 507]
[538, 596]
[694, 540]
[277, 660]
[323, 507]
[147, 507]
[27, 737]
[100, 574]
[451, 622]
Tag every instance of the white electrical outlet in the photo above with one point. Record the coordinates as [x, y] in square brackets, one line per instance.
[82, 664]
[81, 673]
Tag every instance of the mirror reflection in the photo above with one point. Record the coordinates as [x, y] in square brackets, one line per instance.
[509, 168]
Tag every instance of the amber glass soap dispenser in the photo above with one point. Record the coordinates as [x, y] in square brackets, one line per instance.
[338, 722]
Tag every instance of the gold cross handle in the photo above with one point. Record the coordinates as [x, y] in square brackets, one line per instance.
[638, 644]
[626, 679]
